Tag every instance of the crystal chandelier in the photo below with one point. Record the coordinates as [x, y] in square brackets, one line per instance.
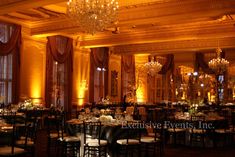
[152, 67]
[218, 65]
[93, 15]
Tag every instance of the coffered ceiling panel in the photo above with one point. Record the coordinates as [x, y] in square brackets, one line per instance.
[140, 22]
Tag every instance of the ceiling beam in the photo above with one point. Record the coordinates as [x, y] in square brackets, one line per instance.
[43, 14]
[25, 4]
[175, 12]
[168, 33]
[22, 16]
[14, 20]
[175, 46]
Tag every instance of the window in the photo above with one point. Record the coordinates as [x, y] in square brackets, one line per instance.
[58, 84]
[58, 75]
[99, 84]
[5, 66]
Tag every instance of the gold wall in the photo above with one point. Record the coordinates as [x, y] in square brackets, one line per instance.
[141, 79]
[81, 75]
[33, 65]
[32, 69]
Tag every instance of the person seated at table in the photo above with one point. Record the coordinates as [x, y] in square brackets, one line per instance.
[205, 101]
[124, 102]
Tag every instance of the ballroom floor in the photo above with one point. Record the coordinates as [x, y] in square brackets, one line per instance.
[170, 150]
[195, 152]
[199, 152]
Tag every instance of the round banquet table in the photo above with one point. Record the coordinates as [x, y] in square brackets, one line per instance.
[213, 121]
[109, 132]
[5, 133]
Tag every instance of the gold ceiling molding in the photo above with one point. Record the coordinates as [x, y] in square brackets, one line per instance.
[12, 6]
[18, 21]
[22, 16]
[136, 3]
[5, 2]
[175, 46]
[151, 15]
[147, 29]
[41, 13]
[140, 21]
[206, 31]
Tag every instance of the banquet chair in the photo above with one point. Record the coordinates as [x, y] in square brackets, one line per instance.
[54, 131]
[67, 145]
[131, 144]
[154, 141]
[93, 144]
[233, 121]
[232, 128]
[176, 132]
[28, 138]
[63, 144]
[130, 110]
[35, 115]
[158, 115]
[12, 149]
[197, 133]
[142, 113]
[221, 132]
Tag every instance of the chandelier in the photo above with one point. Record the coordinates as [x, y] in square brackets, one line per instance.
[218, 65]
[152, 67]
[93, 15]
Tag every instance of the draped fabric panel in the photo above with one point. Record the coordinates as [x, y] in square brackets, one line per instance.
[13, 47]
[63, 54]
[127, 72]
[169, 64]
[13, 43]
[99, 57]
[200, 63]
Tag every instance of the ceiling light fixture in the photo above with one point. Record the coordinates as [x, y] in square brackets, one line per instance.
[152, 67]
[93, 15]
[219, 64]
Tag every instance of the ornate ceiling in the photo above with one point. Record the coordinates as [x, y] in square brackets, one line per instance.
[144, 26]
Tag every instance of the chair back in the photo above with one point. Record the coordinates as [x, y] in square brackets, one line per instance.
[233, 120]
[130, 110]
[92, 130]
[55, 123]
[158, 129]
[34, 113]
[133, 130]
[159, 115]
[31, 128]
[221, 124]
[142, 113]
[197, 121]
[14, 132]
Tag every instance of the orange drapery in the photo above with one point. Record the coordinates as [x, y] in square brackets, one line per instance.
[53, 54]
[13, 46]
[127, 72]
[99, 57]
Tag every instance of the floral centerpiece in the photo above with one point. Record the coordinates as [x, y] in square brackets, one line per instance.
[28, 105]
[193, 109]
[106, 101]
